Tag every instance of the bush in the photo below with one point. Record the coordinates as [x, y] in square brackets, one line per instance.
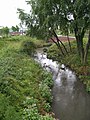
[47, 78]
[28, 47]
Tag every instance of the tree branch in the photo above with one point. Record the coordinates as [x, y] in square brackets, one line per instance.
[58, 40]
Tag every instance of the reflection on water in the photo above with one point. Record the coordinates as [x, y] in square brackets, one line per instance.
[70, 101]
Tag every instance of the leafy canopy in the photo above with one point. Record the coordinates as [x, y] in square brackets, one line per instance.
[56, 14]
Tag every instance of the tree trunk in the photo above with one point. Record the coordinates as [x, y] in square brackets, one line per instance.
[69, 43]
[79, 39]
[81, 51]
[87, 48]
[58, 40]
[80, 47]
[58, 45]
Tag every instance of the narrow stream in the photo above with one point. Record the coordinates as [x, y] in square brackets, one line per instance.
[70, 101]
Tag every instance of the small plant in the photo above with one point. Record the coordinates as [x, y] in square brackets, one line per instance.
[47, 107]
[47, 79]
[45, 92]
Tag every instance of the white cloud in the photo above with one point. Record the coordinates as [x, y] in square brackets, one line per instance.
[8, 11]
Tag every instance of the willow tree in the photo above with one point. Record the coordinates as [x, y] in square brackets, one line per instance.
[46, 16]
[42, 21]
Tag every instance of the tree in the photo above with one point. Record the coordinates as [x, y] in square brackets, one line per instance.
[15, 29]
[87, 48]
[49, 15]
[4, 31]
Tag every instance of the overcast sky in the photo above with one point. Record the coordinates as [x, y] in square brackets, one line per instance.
[8, 11]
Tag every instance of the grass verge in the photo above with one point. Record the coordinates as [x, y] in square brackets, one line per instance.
[25, 88]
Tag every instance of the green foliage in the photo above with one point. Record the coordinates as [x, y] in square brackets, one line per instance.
[32, 113]
[47, 16]
[54, 53]
[47, 107]
[16, 38]
[8, 112]
[86, 81]
[45, 92]
[88, 85]
[4, 31]
[15, 28]
[2, 44]
[11, 114]
[47, 79]
[55, 14]
[28, 47]
[45, 86]
[21, 96]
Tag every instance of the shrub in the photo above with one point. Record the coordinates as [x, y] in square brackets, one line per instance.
[28, 47]
[47, 79]
[45, 92]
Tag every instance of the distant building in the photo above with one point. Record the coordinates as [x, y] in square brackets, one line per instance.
[21, 32]
[15, 33]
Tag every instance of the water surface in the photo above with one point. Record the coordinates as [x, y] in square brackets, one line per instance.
[70, 101]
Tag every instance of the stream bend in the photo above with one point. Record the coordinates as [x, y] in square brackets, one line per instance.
[70, 101]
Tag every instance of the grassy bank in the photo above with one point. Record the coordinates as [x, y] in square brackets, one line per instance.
[25, 88]
[72, 60]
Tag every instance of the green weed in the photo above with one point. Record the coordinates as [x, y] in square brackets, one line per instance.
[24, 87]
